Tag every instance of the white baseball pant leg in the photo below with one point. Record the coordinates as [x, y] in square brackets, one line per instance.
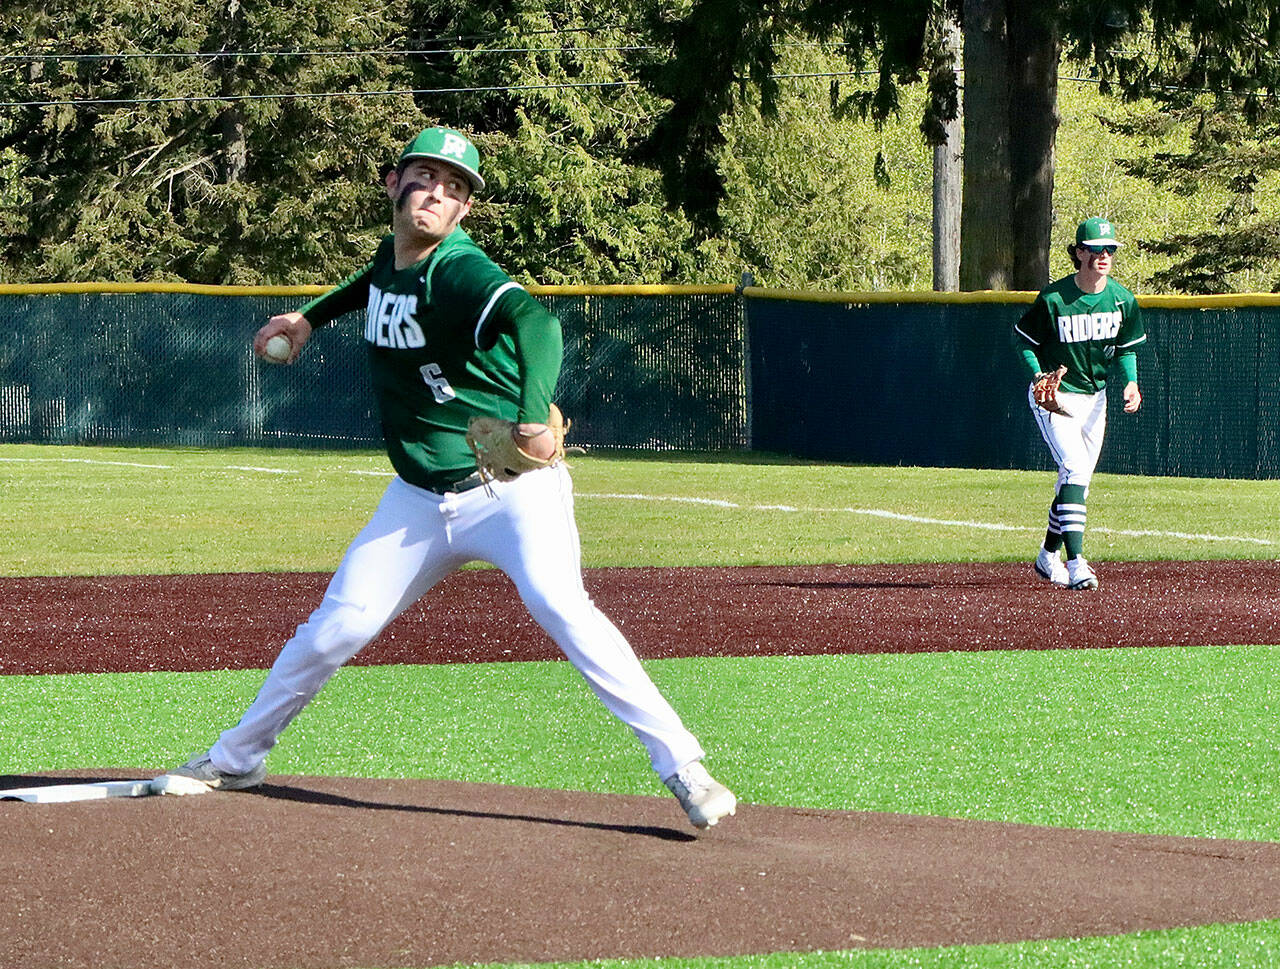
[416, 538]
[543, 559]
[1075, 441]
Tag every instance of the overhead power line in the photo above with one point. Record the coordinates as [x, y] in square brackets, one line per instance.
[455, 39]
[253, 54]
[298, 95]
[1265, 95]
[346, 52]
[490, 89]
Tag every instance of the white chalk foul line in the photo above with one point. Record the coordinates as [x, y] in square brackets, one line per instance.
[118, 464]
[1191, 536]
[719, 503]
[924, 520]
[188, 470]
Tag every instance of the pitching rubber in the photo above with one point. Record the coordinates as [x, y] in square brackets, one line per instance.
[178, 785]
[61, 793]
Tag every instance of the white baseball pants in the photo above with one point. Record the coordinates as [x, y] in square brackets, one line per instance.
[1076, 441]
[527, 529]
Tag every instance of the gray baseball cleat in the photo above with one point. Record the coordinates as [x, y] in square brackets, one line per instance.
[199, 776]
[1049, 567]
[1079, 575]
[703, 798]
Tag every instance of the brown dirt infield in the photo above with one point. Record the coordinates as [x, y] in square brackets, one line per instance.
[326, 872]
[239, 621]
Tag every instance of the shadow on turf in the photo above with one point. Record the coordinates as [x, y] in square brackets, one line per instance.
[288, 792]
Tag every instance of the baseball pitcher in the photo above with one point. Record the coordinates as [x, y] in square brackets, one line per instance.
[1069, 338]
[464, 363]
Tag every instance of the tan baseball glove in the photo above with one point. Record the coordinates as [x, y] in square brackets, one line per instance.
[1046, 391]
[495, 444]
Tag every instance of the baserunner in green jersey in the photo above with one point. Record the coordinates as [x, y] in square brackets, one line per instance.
[450, 336]
[1087, 323]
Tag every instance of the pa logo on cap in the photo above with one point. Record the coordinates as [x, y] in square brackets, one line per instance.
[455, 146]
[1096, 231]
[450, 146]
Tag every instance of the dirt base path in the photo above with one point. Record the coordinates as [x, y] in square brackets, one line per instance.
[239, 621]
[323, 872]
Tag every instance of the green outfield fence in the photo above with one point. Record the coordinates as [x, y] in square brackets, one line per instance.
[888, 378]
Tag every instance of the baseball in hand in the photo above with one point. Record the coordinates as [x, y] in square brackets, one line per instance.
[278, 348]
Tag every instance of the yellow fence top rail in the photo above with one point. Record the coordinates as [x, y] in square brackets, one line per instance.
[1221, 301]
[196, 289]
[812, 296]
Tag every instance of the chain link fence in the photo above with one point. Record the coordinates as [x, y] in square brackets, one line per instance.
[880, 379]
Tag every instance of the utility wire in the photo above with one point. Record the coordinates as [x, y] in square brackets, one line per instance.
[452, 39]
[372, 52]
[295, 96]
[251, 54]
[1268, 94]
[493, 89]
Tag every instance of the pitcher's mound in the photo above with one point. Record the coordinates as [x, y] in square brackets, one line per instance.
[327, 872]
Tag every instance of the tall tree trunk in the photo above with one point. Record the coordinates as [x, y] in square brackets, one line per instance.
[235, 146]
[986, 244]
[948, 173]
[1035, 48]
[947, 199]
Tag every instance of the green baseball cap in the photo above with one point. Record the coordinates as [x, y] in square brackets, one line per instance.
[1096, 232]
[450, 146]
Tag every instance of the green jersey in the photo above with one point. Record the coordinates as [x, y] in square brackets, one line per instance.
[449, 338]
[1084, 331]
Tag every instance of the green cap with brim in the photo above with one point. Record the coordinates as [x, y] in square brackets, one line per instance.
[1096, 232]
[447, 145]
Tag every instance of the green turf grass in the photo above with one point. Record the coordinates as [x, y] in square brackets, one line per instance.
[1170, 741]
[1210, 947]
[87, 511]
[1175, 741]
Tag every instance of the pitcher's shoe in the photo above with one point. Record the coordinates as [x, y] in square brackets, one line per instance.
[199, 776]
[1050, 568]
[703, 798]
[1079, 575]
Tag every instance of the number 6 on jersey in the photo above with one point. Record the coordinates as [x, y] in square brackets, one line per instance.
[435, 379]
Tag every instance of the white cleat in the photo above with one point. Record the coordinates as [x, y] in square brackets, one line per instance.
[1049, 567]
[199, 776]
[703, 798]
[1079, 575]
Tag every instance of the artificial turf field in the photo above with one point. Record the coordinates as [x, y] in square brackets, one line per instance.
[1170, 741]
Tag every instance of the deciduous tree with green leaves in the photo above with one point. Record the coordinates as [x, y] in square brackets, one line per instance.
[1011, 61]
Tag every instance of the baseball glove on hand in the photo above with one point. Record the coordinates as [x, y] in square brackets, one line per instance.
[499, 456]
[1046, 391]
